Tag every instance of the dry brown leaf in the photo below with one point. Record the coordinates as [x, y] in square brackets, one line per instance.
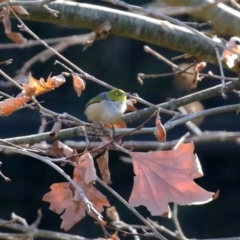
[59, 149]
[167, 176]
[10, 105]
[64, 198]
[15, 37]
[160, 130]
[42, 86]
[27, 91]
[198, 67]
[78, 84]
[55, 81]
[130, 105]
[228, 57]
[102, 162]
[56, 129]
[90, 174]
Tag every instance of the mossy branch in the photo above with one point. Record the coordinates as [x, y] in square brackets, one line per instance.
[219, 14]
[125, 24]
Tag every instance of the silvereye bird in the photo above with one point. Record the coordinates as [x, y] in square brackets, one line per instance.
[107, 107]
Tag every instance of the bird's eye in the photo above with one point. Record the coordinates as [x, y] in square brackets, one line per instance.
[237, 42]
[118, 93]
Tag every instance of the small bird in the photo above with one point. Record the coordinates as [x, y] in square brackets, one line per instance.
[107, 107]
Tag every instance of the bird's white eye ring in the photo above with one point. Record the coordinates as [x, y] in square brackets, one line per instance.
[118, 93]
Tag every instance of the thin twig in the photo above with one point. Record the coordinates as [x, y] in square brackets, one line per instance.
[176, 222]
[198, 25]
[203, 113]
[156, 233]
[6, 62]
[129, 117]
[3, 176]
[222, 73]
[191, 126]
[181, 140]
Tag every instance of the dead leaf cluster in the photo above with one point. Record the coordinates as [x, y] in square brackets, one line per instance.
[161, 177]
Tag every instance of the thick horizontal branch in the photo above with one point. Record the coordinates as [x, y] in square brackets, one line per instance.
[225, 19]
[39, 137]
[229, 108]
[206, 137]
[173, 104]
[128, 25]
[150, 130]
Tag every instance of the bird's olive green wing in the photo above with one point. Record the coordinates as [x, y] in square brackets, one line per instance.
[100, 97]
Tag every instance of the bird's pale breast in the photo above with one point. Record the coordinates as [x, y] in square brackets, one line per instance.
[105, 111]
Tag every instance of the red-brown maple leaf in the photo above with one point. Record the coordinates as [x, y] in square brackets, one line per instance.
[167, 176]
[64, 198]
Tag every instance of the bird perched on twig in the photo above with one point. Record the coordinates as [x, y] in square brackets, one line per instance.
[107, 107]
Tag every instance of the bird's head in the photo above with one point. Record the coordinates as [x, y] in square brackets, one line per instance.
[117, 95]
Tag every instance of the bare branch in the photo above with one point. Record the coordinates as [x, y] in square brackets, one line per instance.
[220, 14]
[178, 38]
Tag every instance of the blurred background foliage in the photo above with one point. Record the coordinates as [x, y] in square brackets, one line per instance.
[117, 61]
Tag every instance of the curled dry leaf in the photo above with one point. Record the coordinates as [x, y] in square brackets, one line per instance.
[228, 57]
[42, 86]
[189, 79]
[184, 80]
[10, 105]
[56, 129]
[198, 67]
[64, 198]
[102, 158]
[90, 174]
[78, 84]
[102, 162]
[167, 176]
[160, 130]
[15, 37]
[130, 105]
[102, 30]
[59, 149]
